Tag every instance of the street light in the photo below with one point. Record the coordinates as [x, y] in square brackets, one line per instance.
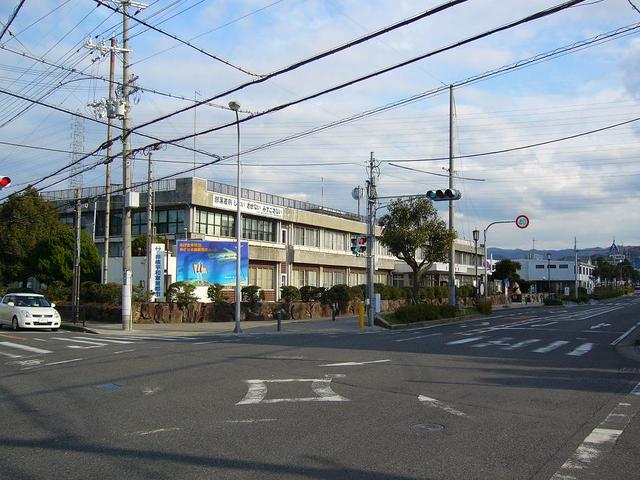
[476, 237]
[549, 271]
[235, 106]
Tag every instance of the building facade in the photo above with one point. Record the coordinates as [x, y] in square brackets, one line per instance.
[290, 242]
[555, 276]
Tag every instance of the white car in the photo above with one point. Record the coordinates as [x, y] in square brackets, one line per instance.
[28, 310]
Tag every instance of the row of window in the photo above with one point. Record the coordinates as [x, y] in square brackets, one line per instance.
[552, 266]
[224, 225]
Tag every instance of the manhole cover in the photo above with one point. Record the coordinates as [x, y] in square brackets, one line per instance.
[427, 427]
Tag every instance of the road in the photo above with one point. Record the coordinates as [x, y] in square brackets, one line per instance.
[536, 393]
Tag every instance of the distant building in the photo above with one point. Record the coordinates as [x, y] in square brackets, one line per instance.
[557, 275]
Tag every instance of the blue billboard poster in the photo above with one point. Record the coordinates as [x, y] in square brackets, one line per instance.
[204, 263]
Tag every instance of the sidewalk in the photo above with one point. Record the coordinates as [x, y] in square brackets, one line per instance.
[341, 325]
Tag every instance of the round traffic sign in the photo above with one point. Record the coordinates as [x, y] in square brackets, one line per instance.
[522, 221]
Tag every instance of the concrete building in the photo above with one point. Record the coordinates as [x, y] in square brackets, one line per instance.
[290, 242]
[558, 275]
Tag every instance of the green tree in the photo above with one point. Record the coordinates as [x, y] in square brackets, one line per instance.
[507, 269]
[25, 220]
[214, 292]
[52, 257]
[414, 233]
[182, 293]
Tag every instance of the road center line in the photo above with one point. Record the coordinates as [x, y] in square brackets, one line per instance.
[624, 335]
[417, 338]
[432, 402]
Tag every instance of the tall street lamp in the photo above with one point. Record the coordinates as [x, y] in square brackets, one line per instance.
[549, 272]
[476, 237]
[235, 106]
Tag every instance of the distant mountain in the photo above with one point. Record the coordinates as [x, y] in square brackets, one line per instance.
[633, 253]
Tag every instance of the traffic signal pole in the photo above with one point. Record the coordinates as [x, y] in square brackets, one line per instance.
[452, 250]
[371, 237]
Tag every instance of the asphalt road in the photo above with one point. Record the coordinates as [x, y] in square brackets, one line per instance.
[545, 393]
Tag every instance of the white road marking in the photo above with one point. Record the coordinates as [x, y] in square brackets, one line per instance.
[124, 351]
[551, 346]
[600, 440]
[352, 364]
[150, 390]
[600, 325]
[320, 386]
[158, 430]
[257, 420]
[24, 347]
[543, 324]
[54, 363]
[636, 390]
[499, 342]
[417, 338]
[464, 340]
[432, 402]
[524, 343]
[624, 335]
[581, 350]
[10, 355]
[108, 340]
[85, 342]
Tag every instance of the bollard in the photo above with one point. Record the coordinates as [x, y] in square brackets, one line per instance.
[361, 312]
[279, 318]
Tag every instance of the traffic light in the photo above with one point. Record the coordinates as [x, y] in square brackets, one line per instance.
[445, 194]
[4, 182]
[359, 246]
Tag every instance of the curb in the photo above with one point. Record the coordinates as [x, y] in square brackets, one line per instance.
[76, 328]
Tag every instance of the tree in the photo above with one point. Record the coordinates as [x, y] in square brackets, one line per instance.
[412, 228]
[25, 220]
[52, 257]
[507, 269]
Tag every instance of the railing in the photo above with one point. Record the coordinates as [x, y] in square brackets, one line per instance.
[93, 192]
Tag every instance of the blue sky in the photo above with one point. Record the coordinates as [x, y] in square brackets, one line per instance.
[586, 187]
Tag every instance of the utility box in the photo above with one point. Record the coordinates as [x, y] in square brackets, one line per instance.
[132, 200]
[377, 302]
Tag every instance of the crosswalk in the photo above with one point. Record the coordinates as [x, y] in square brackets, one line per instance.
[14, 349]
[534, 345]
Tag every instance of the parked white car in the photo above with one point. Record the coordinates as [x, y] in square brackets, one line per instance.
[28, 310]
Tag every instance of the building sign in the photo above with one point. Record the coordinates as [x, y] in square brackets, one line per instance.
[226, 202]
[156, 282]
[204, 263]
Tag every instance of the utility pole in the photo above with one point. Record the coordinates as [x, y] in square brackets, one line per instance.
[452, 249]
[575, 248]
[371, 240]
[107, 179]
[75, 300]
[149, 220]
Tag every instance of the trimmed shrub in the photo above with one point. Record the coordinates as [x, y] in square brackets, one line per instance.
[251, 294]
[424, 312]
[359, 292]
[448, 311]
[57, 292]
[427, 294]
[289, 293]
[214, 293]
[309, 293]
[109, 293]
[484, 306]
[550, 301]
[607, 292]
[466, 291]
[181, 293]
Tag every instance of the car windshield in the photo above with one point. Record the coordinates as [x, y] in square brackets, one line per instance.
[24, 301]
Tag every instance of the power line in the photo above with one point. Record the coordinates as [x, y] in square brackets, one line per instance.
[174, 37]
[11, 18]
[311, 59]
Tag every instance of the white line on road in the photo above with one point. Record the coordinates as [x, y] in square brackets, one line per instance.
[257, 420]
[158, 430]
[464, 340]
[543, 324]
[581, 350]
[600, 440]
[600, 325]
[124, 351]
[24, 347]
[432, 402]
[54, 363]
[551, 346]
[504, 341]
[417, 338]
[257, 391]
[85, 342]
[108, 340]
[352, 364]
[522, 344]
[624, 335]
[10, 355]
[636, 390]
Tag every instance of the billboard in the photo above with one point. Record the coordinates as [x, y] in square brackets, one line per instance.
[157, 271]
[204, 263]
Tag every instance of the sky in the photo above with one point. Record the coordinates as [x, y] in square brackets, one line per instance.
[585, 186]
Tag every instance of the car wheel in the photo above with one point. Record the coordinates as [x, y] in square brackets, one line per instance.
[14, 324]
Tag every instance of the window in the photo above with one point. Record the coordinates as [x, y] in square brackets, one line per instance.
[307, 236]
[333, 277]
[261, 277]
[302, 277]
[259, 229]
[169, 221]
[115, 249]
[223, 225]
[336, 240]
[357, 278]
[139, 223]
[540, 267]
[283, 238]
[564, 266]
[552, 266]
